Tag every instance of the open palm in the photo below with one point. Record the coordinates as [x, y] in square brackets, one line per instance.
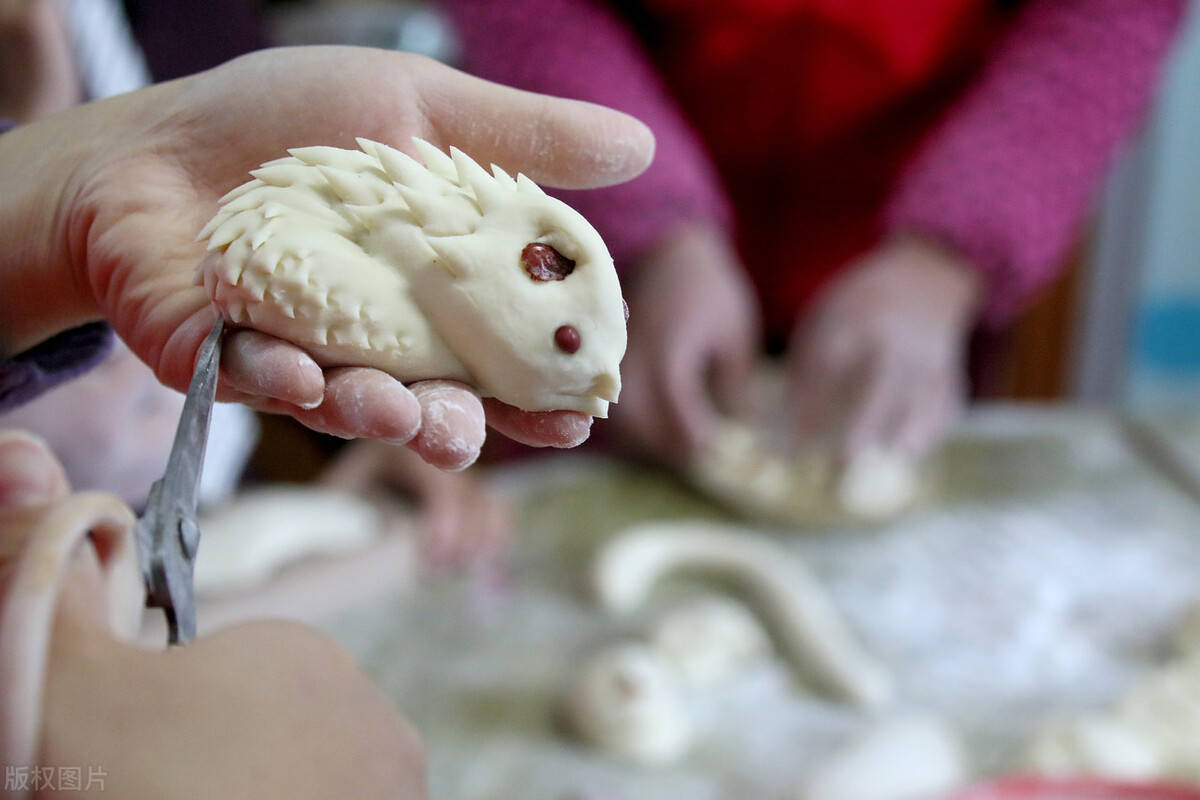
[160, 159]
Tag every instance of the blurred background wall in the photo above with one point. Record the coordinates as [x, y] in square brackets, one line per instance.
[1137, 342]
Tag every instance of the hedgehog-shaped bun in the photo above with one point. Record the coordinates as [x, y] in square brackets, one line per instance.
[424, 270]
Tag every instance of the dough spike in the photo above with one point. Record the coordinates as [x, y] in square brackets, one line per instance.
[526, 185]
[488, 194]
[436, 161]
[349, 186]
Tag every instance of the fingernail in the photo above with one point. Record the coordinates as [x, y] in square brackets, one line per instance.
[305, 363]
[582, 430]
[29, 472]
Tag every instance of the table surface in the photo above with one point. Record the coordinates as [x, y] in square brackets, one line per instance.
[1042, 574]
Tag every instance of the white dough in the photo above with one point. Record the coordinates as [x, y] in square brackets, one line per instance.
[708, 639]
[1151, 732]
[740, 467]
[810, 631]
[372, 258]
[877, 484]
[259, 531]
[900, 758]
[627, 700]
[1164, 710]
[1098, 746]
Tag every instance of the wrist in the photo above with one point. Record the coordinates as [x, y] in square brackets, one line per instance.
[960, 284]
[43, 295]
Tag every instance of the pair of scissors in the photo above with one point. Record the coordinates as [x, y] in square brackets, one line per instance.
[167, 532]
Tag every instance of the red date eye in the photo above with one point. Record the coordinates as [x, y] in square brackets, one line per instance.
[544, 263]
[567, 338]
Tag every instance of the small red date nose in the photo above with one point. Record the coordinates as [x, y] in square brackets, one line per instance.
[567, 338]
[544, 263]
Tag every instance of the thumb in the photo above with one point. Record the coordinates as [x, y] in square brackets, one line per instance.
[687, 409]
[29, 472]
[569, 144]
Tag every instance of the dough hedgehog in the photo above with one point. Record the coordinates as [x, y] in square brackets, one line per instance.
[424, 269]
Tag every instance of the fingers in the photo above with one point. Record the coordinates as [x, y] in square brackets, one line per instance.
[256, 364]
[897, 407]
[668, 412]
[29, 473]
[538, 428]
[565, 143]
[733, 373]
[816, 396]
[927, 418]
[442, 421]
[665, 410]
[364, 403]
[390, 96]
[881, 390]
[452, 424]
[464, 521]
[356, 467]
[688, 415]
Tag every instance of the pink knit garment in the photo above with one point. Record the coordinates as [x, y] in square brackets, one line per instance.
[1009, 176]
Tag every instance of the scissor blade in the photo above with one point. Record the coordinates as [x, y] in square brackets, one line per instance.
[181, 481]
[167, 534]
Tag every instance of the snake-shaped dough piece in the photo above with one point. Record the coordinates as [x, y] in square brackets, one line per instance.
[809, 630]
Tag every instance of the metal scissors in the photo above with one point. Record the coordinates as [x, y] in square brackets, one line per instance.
[167, 532]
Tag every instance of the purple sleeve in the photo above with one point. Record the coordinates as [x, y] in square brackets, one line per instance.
[578, 49]
[1009, 175]
[60, 358]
